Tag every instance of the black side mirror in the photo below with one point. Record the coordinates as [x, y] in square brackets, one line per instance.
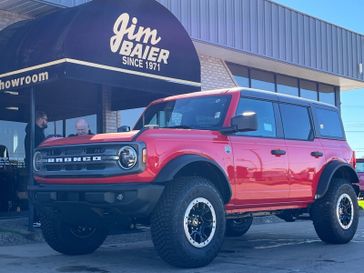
[124, 129]
[245, 122]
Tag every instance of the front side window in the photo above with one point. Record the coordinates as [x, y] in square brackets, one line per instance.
[265, 116]
[296, 122]
[205, 113]
[329, 123]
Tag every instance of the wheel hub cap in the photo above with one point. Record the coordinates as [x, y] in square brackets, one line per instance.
[200, 222]
[345, 211]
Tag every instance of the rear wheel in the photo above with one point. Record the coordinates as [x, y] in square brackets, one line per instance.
[238, 227]
[336, 215]
[188, 224]
[70, 239]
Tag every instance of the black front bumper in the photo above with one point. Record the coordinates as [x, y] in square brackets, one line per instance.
[90, 203]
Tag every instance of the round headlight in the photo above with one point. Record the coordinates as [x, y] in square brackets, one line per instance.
[127, 157]
[37, 161]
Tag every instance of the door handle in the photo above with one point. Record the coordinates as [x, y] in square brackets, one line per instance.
[278, 152]
[317, 154]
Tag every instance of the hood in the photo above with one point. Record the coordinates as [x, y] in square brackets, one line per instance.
[90, 139]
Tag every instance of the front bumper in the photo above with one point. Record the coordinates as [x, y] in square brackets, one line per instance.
[91, 203]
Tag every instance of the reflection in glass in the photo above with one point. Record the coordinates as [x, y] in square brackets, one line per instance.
[262, 80]
[327, 93]
[287, 85]
[12, 136]
[308, 89]
[241, 74]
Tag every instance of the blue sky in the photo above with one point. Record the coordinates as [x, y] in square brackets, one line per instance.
[348, 14]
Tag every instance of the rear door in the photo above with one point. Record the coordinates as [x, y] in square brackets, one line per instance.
[260, 158]
[305, 152]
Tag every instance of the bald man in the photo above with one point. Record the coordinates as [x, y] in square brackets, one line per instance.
[82, 128]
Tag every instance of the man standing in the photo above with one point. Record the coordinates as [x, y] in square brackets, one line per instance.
[41, 123]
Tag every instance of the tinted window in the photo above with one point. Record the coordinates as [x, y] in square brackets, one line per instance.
[287, 85]
[262, 80]
[296, 122]
[265, 116]
[241, 74]
[308, 89]
[327, 93]
[329, 123]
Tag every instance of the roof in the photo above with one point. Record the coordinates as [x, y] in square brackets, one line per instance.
[249, 92]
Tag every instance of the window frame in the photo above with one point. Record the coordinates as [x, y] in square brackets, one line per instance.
[317, 123]
[278, 123]
[311, 120]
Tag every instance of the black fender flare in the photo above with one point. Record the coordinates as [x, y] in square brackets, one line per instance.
[170, 170]
[328, 173]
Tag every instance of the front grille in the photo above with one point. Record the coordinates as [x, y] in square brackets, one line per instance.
[92, 160]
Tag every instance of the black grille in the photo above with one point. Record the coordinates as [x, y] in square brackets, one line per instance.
[86, 160]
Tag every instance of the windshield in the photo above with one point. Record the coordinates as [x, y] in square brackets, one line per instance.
[360, 167]
[206, 113]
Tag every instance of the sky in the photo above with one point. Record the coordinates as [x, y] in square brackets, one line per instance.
[348, 14]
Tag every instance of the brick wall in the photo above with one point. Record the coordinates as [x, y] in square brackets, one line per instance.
[110, 118]
[215, 74]
[8, 18]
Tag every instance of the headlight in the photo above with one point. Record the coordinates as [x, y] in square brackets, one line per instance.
[37, 161]
[127, 157]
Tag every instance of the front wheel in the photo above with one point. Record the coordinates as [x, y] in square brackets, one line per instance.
[336, 215]
[70, 239]
[188, 224]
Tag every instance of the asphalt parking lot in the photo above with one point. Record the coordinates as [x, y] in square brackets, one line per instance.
[275, 247]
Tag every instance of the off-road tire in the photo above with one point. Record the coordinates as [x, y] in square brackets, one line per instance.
[169, 220]
[60, 236]
[238, 227]
[325, 213]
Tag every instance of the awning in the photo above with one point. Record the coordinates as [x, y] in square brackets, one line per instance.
[133, 45]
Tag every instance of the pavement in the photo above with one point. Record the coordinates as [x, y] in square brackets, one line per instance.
[271, 245]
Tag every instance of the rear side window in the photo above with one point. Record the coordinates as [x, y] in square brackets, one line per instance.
[265, 117]
[296, 122]
[329, 123]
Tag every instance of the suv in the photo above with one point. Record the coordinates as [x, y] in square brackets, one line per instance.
[198, 167]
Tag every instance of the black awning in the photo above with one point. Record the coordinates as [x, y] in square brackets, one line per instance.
[135, 45]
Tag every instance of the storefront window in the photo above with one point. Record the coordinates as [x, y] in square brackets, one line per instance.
[308, 89]
[129, 117]
[71, 123]
[262, 80]
[287, 85]
[13, 174]
[327, 93]
[241, 74]
[55, 128]
[12, 136]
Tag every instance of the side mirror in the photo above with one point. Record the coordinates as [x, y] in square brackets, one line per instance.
[245, 122]
[124, 129]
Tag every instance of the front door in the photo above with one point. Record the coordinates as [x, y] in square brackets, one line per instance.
[261, 166]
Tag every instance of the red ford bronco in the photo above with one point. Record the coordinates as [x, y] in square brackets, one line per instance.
[198, 167]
